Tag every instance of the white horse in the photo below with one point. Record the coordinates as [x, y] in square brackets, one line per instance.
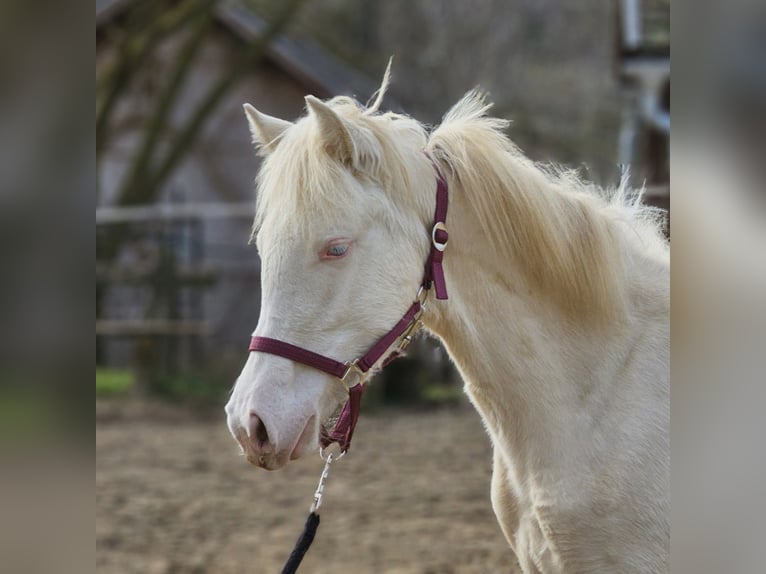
[557, 317]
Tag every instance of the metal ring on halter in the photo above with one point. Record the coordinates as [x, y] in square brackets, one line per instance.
[439, 226]
[341, 453]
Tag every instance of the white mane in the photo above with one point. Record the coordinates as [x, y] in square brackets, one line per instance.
[563, 233]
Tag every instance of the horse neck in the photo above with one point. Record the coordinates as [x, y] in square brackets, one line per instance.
[523, 363]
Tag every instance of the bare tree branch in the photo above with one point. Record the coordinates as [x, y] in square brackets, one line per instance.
[136, 181]
[144, 31]
[143, 180]
[246, 60]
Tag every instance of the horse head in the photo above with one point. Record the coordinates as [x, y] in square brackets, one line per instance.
[342, 240]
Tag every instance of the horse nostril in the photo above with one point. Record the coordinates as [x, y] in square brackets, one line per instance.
[258, 433]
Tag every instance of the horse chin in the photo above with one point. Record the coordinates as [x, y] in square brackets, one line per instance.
[268, 461]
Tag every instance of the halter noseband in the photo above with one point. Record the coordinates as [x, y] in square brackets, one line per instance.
[351, 374]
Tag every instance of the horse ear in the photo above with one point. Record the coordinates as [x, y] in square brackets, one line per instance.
[265, 130]
[335, 135]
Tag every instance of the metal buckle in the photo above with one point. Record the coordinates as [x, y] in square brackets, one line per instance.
[353, 375]
[439, 225]
[409, 333]
[421, 298]
[403, 344]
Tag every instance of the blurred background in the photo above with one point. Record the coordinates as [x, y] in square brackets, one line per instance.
[585, 83]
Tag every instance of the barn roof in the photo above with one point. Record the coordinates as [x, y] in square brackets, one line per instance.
[303, 60]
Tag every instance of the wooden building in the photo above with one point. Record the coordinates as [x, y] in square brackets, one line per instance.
[191, 243]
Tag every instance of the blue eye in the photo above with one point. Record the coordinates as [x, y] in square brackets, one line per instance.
[337, 250]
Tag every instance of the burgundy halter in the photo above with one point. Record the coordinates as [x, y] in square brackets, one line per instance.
[352, 373]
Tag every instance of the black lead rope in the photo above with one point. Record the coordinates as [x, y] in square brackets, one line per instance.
[303, 543]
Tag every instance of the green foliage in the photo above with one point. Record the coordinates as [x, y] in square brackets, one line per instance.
[197, 388]
[442, 395]
[110, 382]
[409, 382]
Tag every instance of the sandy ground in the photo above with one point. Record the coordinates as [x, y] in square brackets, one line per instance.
[412, 496]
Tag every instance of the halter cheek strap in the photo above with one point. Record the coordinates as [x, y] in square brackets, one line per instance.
[352, 374]
[434, 273]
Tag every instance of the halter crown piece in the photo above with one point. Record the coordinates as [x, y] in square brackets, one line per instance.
[353, 374]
